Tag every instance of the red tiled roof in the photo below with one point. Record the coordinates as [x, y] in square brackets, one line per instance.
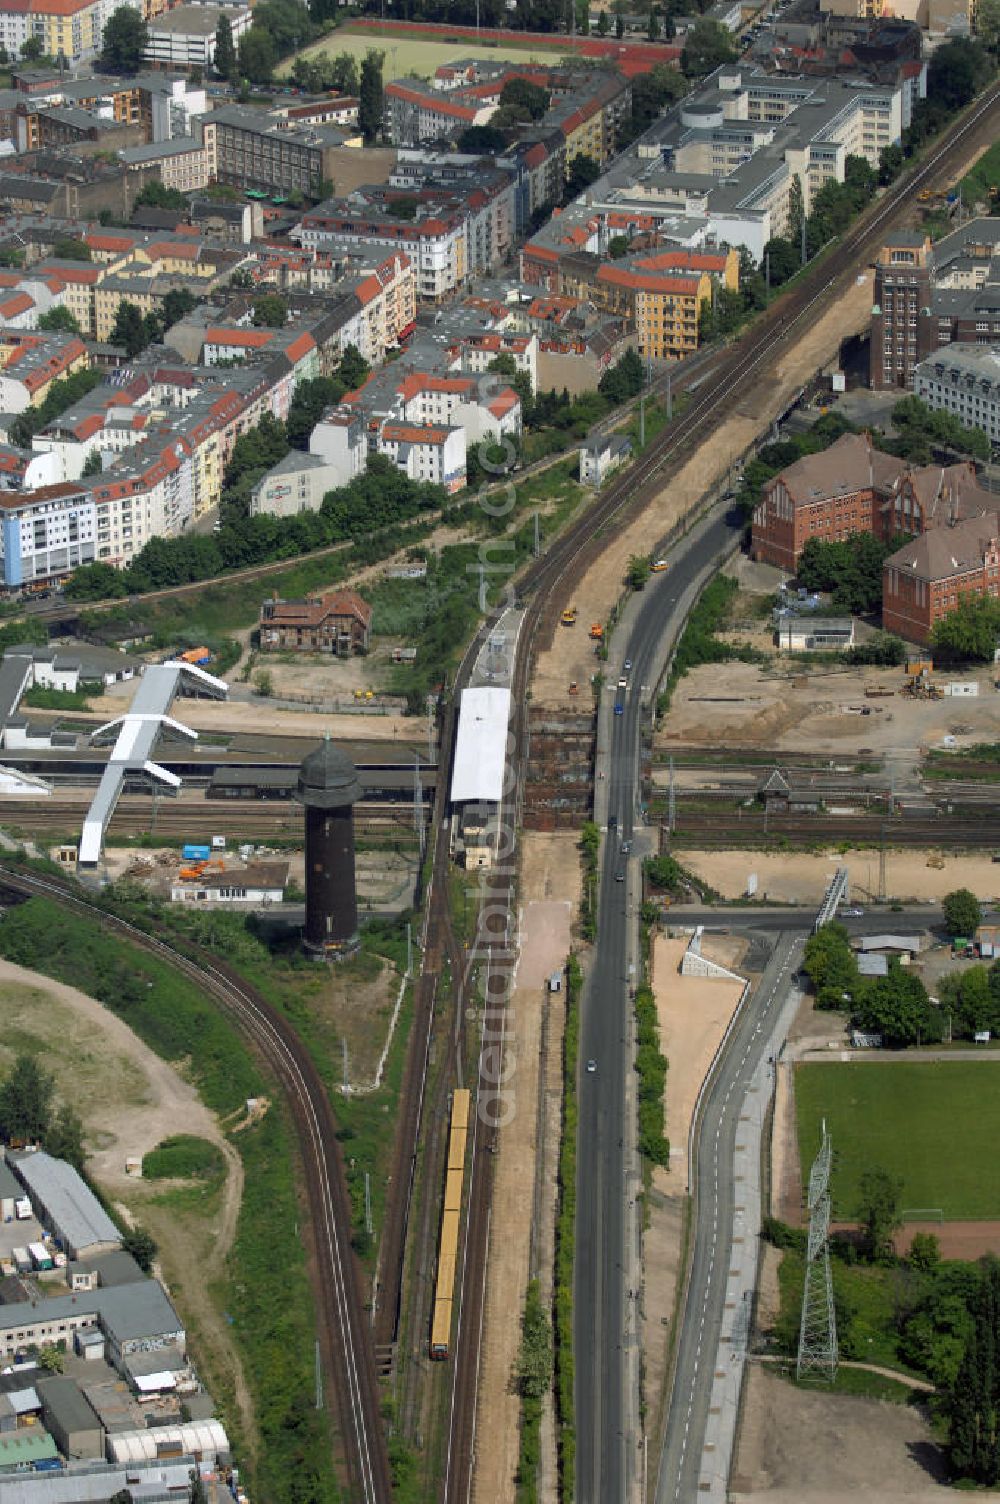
[407, 433]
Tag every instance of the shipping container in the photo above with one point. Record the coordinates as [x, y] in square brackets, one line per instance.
[194, 853]
[445, 1287]
[40, 1256]
[47, 1465]
[22, 1260]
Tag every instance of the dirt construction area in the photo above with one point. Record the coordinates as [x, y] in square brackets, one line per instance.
[741, 705]
[571, 655]
[800, 1447]
[801, 877]
[549, 892]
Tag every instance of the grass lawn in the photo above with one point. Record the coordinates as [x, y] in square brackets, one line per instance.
[985, 175]
[935, 1124]
[407, 54]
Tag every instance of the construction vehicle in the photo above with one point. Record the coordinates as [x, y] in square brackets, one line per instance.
[196, 656]
[569, 616]
[193, 873]
[597, 631]
[574, 687]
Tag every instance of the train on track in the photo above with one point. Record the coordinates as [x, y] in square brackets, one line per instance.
[444, 1290]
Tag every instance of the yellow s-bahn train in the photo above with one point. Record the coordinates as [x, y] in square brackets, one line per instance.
[444, 1290]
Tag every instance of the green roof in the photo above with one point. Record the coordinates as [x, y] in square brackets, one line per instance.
[22, 1448]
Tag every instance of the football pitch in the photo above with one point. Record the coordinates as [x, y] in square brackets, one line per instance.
[935, 1124]
[406, 54]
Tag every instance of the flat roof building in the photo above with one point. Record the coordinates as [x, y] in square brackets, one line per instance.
[62, 1199]
[71, 1419]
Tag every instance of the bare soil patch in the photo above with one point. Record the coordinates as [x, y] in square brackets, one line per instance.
[818, 710]
[549, 894]
[959, 1240]
[801, 877]
[694, 1013]
[802, 1447]
[571, 655]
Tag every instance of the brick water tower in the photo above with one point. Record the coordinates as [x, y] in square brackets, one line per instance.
[328, 788]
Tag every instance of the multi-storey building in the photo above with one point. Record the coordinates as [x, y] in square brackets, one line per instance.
[46, 534]
[416, 113]
[436, 244]
[854, 488]
[963, 380]
[31, 361]
[930, 576]
[256, 152]
[185, 37]
[183, 162]
[926, 298]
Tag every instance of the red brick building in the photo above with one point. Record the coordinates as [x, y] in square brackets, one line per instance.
[854, 488]
[930, 576]
[339, 622]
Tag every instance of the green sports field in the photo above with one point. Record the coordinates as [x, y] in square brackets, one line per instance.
[408, 54]
[935, 1124]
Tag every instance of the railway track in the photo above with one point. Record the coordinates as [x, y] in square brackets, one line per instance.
[341, 1321]
[719, 830]
[572, 553]
[197, 821]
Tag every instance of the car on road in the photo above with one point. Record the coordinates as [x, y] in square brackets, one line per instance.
[623, 683]
[626, 847]
[619, 708]
[853, 913]
[627, 665]
[591, 1067]
[619, 877]
[658, 566]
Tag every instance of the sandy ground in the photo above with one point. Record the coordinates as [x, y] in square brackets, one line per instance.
[571, 655]
[801, 1447]
[801, 877]
[549, 892]
[739, 705]
[260, 717]
[130, 1100]
[694, 1013]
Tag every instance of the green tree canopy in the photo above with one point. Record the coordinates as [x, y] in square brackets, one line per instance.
[68, 248]
[126, 36]
[256, 53]
[130, 328]
[225, 51]
[897, 1007]
[581, 172]
[142, 1246]
[878, 1210]
[974, 1400]
[61, 319]
[970, 631]
[25, 1101]
[707, 46]
[962, 913]
[269, 311]
[624, 380]
[370, 96]
[155, 195]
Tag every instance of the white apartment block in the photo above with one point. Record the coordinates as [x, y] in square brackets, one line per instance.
[434, 454]
[963, 380]
[46, 534]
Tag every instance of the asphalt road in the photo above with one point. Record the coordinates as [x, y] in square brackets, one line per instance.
[701, 1322]
[600, 1283]
[873, 921]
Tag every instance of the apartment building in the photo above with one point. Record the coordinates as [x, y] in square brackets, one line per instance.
[31, 361]
[930, 576]
[183, 163]
[46, 534]
[436, 243]
[253, 151]
[431, 453]
[928, 297]
[416, 113]
[185, 37]
[853, 487]
[660, 296]
[963, 380]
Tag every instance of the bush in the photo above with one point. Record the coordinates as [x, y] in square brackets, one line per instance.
[565, 1247]
[183, 1157]
[651, 1066]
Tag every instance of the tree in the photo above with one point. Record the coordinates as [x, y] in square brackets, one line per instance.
[269, 311]
[879, 1196]
[64, 1138]
[897, 1007]
[523, 100]
[481, 138]
[781, 258]
[925, 1252]
[67, 248]
[263, 683]
[974, 1401]
[956, 73]
[829, 963]
[177, 304]
[353, 370]
[257, 56]
[60, 319]
[619, 25]
[969, 633]
[51, 1358]
[653, 26]
[624, 380]
[962, 914]
[708, 45]
[533, 1369]
[638, 571]
[225, 51]
[25, 1101]
[370, 101]
[796, 215]
[603, 25]
[93, 465]
[581, 172]
[890, 163]
[123, 1496]
[129, 328]
[155, 195]
[309, 402]
[142, 1246]
[988, 25]
[126, 36]
[33, 50]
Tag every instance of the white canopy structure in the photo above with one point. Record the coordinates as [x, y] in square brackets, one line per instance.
[481, 746]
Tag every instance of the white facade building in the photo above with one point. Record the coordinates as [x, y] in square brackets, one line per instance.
[963, 380]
